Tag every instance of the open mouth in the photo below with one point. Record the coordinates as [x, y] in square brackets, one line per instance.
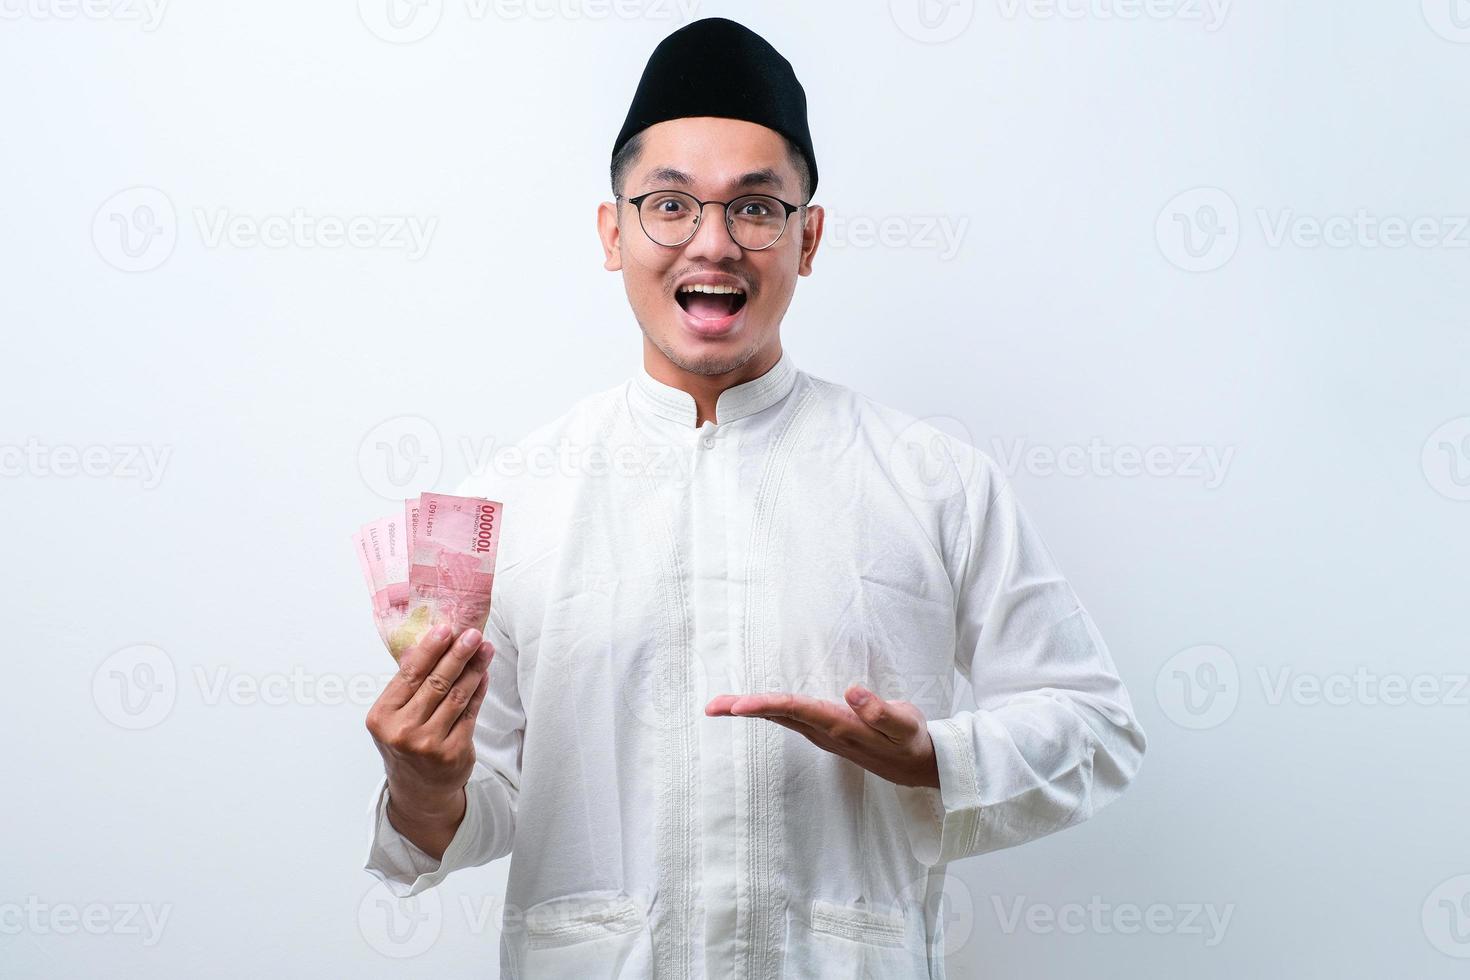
[709, 302]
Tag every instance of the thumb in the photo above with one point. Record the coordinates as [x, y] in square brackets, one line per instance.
[879, 714]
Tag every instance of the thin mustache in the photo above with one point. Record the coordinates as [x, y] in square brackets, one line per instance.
[745, 281]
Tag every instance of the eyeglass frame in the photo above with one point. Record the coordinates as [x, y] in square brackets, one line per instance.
[637, 203]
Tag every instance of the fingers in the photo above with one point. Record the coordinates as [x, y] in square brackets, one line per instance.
[458, 697]
[880, 715]
[815, 736]
[413, 667]
[438, 682]
[881, 736]
[720, 704]
[464, 726]
[833, 722]
[798, 707]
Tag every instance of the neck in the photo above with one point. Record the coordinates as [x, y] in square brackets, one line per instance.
[706, 388]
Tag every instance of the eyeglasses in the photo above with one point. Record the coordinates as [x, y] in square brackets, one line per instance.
[670, 218]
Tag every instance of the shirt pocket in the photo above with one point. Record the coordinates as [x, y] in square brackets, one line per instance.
[847, 942]
[602, 935]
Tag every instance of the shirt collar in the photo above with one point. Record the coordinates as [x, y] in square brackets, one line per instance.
[748, 398]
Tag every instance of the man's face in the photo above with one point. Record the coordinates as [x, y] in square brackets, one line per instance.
[712, 159]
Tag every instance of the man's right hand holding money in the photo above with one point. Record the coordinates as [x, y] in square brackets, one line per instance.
[424, 726]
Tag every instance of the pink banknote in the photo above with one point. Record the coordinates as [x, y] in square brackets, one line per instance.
[411, 522]
[359, 544]
[388, 558]
[453, 567]
[434, 564]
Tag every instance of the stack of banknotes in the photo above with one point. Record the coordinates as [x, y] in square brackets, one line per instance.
[432, 564]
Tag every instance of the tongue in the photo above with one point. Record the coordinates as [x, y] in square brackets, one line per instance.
[710, 306]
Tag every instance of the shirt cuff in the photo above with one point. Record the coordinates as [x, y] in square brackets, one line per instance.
[944, 824]
[401, 865]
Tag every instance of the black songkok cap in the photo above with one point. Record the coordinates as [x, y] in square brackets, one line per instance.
[716, 67]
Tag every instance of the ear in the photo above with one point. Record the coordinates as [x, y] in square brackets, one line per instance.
[811, 237]
[611, 236]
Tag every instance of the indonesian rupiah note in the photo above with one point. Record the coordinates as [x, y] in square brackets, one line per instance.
[434, 564]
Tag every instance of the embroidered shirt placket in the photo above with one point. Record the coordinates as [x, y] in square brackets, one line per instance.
[763, 914]
[677, 832]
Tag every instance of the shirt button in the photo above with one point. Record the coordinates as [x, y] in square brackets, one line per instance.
[709, 442]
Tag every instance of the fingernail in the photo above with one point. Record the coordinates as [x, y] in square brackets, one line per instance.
[470, 638]
[441, 633]
[859, 697]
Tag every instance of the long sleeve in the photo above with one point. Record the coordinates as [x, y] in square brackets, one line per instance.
[1053, 738]
[488, 827]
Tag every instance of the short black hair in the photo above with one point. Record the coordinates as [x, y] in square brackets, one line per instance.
[622, 162]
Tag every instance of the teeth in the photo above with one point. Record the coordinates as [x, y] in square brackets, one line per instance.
[706, 288]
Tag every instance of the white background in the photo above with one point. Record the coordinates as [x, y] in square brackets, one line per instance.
[218, 781]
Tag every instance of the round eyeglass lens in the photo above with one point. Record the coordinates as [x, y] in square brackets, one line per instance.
[670, 218]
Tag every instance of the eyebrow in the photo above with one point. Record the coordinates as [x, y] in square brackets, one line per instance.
[765, 177]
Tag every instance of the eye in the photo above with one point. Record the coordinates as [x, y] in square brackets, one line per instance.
[667, 205]
[754, 209]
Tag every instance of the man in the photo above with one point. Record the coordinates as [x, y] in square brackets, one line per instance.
[717, 737]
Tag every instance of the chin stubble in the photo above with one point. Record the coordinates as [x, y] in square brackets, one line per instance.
[707, 366]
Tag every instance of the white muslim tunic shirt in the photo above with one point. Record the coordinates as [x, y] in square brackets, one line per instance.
[806, 540]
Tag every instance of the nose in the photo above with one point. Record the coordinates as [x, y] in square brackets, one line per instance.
[712, 239]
